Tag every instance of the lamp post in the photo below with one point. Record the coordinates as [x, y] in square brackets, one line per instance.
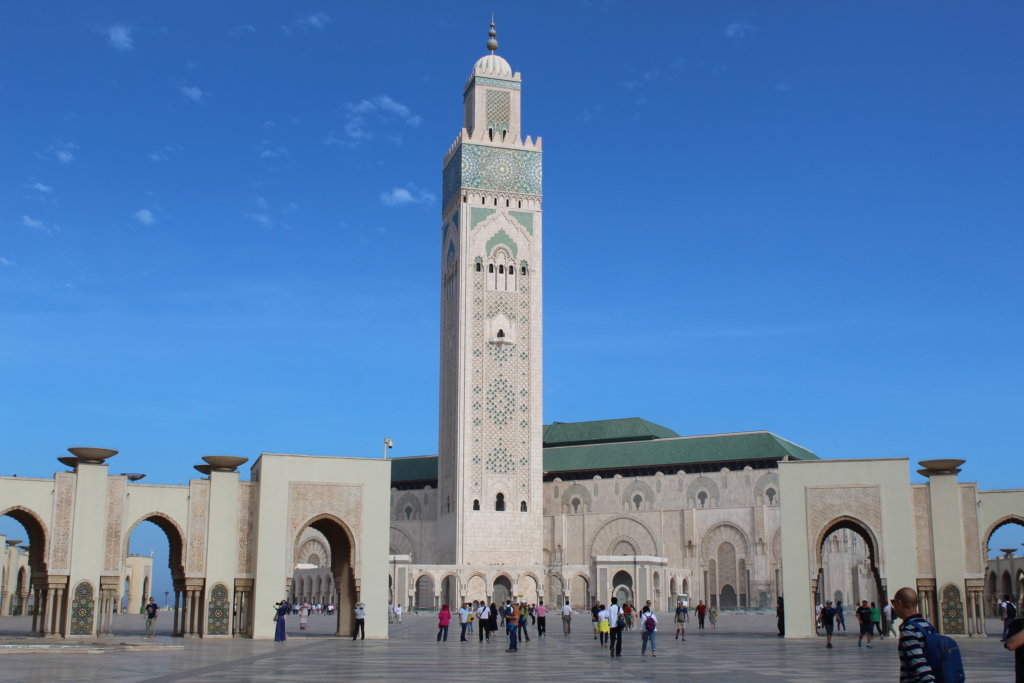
[166, 593]
[388, 443]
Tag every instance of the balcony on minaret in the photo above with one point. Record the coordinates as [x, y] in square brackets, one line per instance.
[500, 332]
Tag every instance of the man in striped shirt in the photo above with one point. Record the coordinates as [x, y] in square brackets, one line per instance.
[914, 668]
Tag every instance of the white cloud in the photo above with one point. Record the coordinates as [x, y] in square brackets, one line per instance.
[380, 109]
[46, 189]
[145, 216]
[318, 21]
[64, 156]
[739, 29]
[402, 196]
[243, 30]
[120, 37]
[6, 261]
[261, 218]
[30, 222]
[191, 92]
[269, 153]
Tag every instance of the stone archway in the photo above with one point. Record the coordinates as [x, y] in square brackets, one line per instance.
[36, 591]
[186, 604]
[863, 531]
[424, 592]
[341, 543]
[502, 590]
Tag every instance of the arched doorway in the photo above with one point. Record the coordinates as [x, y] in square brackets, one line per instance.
[847, 564]
[622, 587]
[579, 592]
[502, 590]
[450, 592]
[727, 597]
[425, 592]
[141, 540]
[341, 546]
[1002, 570]
[32, 590]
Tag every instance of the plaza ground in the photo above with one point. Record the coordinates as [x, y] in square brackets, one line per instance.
[743, 648]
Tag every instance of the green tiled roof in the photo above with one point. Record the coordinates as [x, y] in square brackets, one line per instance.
[417, 468]
[582, 446]
[603, 431]
[682, 450]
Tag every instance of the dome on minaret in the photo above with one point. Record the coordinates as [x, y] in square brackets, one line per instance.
[492, 65]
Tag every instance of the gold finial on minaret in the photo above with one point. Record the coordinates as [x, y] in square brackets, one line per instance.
[492, 42]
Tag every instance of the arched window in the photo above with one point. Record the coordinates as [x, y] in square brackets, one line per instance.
[476, 504]
[479, 267]
[408, 512]
[524, 270]
[501, 270]
[499, 502]
[703, 498]
[522, 506]
[490, 134]
[501, 334]
[575, 504]
[490, 267]
[637, 500]
[770, 495]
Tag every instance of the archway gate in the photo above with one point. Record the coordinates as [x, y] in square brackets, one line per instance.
[231, 542]
[924, 536]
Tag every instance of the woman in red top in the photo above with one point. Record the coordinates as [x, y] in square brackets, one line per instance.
[443, 619]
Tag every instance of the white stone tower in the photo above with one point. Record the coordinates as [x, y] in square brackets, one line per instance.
[490, 433]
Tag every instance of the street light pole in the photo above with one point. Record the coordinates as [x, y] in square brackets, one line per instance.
[388, 443]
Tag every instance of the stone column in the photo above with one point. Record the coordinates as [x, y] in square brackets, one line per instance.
[36, 603]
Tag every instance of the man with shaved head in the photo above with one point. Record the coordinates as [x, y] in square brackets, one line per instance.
[914, 667]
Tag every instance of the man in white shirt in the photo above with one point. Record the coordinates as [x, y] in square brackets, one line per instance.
[566, 618]
[463, 620]
[615, 629]
[398, 612]
[889, 617]
[483, 614]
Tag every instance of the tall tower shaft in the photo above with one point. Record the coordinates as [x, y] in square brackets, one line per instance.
[490, 430]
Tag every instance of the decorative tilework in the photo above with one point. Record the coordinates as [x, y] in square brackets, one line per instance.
[525, 219]
[452, 177]
[501, 401]
[477, 215]
[501, 170]
[495, 82]
[952, 610]
[82, 610]
[499, 110]
[502, 237]
[218, 611]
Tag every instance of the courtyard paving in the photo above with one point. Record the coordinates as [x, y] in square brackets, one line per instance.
[742, 648]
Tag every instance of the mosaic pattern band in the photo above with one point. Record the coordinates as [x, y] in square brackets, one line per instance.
[219, 611]
[494, 83]
[480, 167]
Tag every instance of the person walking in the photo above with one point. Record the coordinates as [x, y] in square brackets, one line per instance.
[303, 616]
[1009, 614]
[542, 620]
[828, 620]
[483, 616]
[594, 611]
[360, 628]
[840, 617]
[914, 666]
[627, 612]
[889, 619]
[398, 613]
[282, 608]
[1015, 644]
[780, 616]
[444, 617]
[602, 624]
[566, 618]
[702, 610]
[713, 617]
[492, 621]
[876, 620]
[524, 609]
[682, 614]
[511, 625]
[648, 627]
[152, 611]
[463, 621]
[864, 619]
[615, 623]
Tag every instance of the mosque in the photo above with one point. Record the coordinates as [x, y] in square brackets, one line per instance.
[509, 506]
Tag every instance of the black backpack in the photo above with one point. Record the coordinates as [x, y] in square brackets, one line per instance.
[1011, 610]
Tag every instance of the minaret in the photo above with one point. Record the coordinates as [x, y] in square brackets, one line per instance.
[490, 431]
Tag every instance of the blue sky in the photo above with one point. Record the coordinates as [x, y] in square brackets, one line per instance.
[219, 224]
